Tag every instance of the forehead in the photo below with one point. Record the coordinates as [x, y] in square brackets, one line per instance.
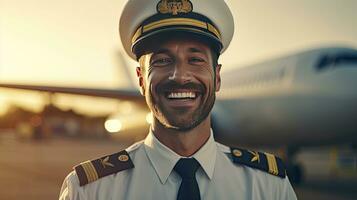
[182, 44]
[158, 41]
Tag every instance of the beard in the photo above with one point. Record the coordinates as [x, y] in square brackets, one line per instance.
[183, 119]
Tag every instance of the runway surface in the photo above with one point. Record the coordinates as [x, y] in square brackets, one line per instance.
[35, 169]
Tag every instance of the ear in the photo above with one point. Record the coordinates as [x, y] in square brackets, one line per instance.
[139, 74]
[218, 77]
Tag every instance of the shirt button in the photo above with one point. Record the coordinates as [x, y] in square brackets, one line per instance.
[237, 153]
[123, 158]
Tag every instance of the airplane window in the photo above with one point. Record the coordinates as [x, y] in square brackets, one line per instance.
[329, 61]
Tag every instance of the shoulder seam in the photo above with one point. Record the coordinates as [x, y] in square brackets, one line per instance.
[134, 147]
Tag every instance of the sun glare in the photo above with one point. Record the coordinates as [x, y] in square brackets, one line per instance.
[113, 125]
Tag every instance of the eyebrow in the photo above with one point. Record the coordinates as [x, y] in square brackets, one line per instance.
[166, 51]
[195, 50]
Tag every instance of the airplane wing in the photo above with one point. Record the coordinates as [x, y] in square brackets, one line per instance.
[120, 94]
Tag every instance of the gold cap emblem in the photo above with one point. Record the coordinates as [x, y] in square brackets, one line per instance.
[174, 6]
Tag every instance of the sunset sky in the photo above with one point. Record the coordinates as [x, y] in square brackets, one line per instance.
[75, 42]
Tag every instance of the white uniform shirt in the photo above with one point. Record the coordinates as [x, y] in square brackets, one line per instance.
[153, 177]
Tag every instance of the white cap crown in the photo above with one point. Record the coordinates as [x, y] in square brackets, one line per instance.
[142, 19]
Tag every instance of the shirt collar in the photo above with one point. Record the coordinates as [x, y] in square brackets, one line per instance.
[163, 159]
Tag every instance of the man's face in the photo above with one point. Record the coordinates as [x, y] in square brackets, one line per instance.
[179, 83]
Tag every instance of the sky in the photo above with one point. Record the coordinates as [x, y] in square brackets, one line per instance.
[75, 42]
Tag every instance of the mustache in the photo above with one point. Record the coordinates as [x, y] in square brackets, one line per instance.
[173, 85]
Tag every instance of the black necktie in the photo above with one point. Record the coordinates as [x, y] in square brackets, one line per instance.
[186, 168]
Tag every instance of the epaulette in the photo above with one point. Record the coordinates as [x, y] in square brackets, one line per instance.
[93, 170]
[263, 161]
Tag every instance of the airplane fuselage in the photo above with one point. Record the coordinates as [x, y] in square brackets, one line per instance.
[304, 99]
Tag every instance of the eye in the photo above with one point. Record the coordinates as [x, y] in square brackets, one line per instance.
[197, 60]
[161, 61]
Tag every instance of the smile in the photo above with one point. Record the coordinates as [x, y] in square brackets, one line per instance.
[181, 95]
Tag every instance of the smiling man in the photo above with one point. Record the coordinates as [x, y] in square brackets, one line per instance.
[177, 44]
[179, 79]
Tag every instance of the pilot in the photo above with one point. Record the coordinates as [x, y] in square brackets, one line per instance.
[177, 44]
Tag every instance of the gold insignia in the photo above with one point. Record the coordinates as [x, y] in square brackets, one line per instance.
[105, 162]
[272, 164]
[90, 171]
[237, 153]
[174, 7]
[255, 156]
[123, 158]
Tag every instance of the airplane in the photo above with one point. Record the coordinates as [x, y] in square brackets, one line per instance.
[302, 99]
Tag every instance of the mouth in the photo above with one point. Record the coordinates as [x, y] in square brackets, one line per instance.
[173, 91]
[187, 95]
[182, 98]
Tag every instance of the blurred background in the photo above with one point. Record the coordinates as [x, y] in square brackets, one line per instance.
[76, 44]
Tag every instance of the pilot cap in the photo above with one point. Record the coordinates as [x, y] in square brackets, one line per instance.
[148, 20]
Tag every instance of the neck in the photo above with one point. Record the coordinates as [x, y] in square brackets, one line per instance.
[184, 143]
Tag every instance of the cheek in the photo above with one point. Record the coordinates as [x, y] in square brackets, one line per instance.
[153, 80]
[150, 85]
[206, 76]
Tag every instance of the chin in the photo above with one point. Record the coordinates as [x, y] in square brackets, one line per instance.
[182, 128]
[182, 124]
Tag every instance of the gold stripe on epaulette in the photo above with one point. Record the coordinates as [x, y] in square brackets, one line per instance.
[90, 171]
[87, 171]
[273, 168]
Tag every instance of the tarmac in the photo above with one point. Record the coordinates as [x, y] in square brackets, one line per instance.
[35, 169]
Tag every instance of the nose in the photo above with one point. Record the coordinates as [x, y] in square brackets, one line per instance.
[179, 73]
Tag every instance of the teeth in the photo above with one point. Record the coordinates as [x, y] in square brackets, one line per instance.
[181, 95]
